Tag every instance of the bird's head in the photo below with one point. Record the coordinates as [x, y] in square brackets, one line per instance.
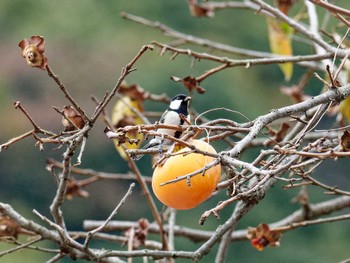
[180, 103]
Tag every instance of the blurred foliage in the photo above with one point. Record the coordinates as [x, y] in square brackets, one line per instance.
[87, 44]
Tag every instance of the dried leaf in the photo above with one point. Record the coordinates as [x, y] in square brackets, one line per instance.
[33, 51]
[296, 94]
[140, 233]
[345, 141]
[198, 10]
[281, 133]
[72, 118]
[8, 227]
[190, 83]
[280, 43]
[134, 91]
[262, 236]
[284, 5]
[74, 188]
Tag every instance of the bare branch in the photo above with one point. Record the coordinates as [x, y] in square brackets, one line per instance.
[331, 7]
[100, 228]
[125, 71]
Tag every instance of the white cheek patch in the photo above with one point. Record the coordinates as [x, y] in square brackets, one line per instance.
[175, 104]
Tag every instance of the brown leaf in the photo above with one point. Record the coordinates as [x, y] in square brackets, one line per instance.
[345, 141]
[33, 51]
[190, 83]
[132, 98]
[282, 132]
[74, 188]
[134, 91]
[72, 118]
[279, 135]
[140, 233]
[8, 227]
[199, 10]
[262, 236]
[284, 5]
[295, 93]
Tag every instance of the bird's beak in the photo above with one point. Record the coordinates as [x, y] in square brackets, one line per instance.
[188, 98]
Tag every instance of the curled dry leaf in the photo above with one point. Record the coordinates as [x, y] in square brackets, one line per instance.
[295, 93]
[134, 91]
[284, 5]
[191, 83]
[198, 10]
[72, 118]
[74, 188]
[345, 141]
[33, 51]
[8, 227]
[262, 236]
[140, 233]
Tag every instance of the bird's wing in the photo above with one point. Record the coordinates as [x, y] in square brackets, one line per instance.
[162, 118]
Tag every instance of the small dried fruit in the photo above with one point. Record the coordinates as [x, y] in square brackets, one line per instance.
[190, 83]
[199, 10]
[262, 236]
[33, 51]
[74, 188]
[284, 5]
[139, 233]
[72, 118]
[8, 227]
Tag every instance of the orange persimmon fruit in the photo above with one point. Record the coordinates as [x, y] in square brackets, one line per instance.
[181, 195]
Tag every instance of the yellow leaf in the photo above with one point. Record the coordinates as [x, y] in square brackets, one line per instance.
[123, 115]
[344, 109]
[281, 44]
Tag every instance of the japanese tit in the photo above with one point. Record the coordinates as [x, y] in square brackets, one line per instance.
[172, 116]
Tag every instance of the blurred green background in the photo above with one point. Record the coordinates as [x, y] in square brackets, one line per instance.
[87, 44]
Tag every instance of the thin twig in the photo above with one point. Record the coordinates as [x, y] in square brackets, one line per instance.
[20, 247]
[150, 201]
[125, 71]
[114, 212]
[63, 180]
[331, 7]
[15, 139]
[66, 93]
[312, 222]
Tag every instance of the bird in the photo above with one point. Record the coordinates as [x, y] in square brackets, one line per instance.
[175, 114]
